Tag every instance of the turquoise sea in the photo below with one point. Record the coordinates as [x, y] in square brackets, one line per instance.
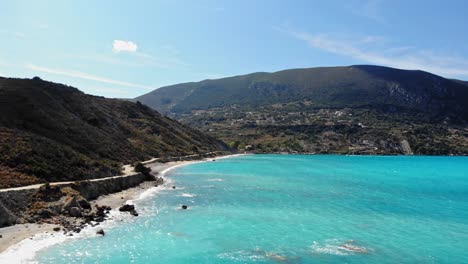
[293, 209]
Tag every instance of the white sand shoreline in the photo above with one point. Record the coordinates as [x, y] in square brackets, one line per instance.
[20, 243]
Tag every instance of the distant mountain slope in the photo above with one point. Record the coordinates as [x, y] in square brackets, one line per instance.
[462, 82]
[53, 132]
[354, 109]
[352, 86]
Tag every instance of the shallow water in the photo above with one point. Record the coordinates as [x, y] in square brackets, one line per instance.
[294, 209]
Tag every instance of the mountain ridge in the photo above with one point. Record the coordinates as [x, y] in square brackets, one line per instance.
[328, 84]
[263, 108]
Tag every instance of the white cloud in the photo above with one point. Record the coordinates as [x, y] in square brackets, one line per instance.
[86, 76]
[379, 52]
[123, 45]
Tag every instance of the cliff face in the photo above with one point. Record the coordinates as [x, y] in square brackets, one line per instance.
[52, 132]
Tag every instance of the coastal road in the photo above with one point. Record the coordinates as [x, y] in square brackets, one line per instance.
[127, 170]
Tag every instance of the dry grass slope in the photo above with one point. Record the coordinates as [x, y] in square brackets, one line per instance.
[53, 132]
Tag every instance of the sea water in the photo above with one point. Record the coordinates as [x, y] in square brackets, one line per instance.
[293, 209]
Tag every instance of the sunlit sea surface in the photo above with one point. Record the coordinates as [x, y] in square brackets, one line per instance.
[293, 209]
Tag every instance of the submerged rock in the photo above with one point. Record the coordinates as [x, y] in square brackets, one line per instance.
[184, 207]
[349, 246]
[134, 213]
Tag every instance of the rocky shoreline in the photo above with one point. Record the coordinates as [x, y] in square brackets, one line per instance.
[68, 209]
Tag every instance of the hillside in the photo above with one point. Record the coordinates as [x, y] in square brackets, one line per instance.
[355, 109]
[53, 132]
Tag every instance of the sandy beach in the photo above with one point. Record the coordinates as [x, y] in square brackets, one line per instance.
[13, 236]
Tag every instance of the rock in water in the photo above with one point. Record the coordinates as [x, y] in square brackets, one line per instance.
[75, 212]
[127, 208]
[100, 232]
[159, 181]
[184, 207]
[134, 213]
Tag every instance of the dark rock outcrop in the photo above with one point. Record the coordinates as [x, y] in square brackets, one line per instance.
[139, 167]
[71, 202]
[49, 202]
[158, 181]
[127, 208]
[7, 218]
[100, 232]
[75, 212]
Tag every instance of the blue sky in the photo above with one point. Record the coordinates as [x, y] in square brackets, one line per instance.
[128, 48]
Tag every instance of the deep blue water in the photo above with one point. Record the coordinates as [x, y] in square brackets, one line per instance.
[294, 209]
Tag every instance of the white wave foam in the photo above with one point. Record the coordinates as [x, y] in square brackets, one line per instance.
[26, 250]
[215, 180]
[253, 255]
[337, 247]
[241, 255]
[187, 195]
[151, 192]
